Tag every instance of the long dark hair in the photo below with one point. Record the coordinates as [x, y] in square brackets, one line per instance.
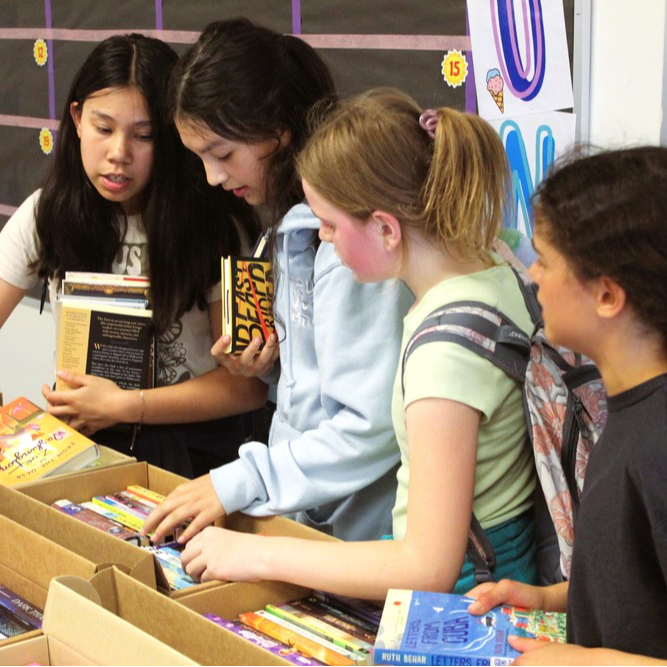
[607, 213]
[248, 83]
[188, 225]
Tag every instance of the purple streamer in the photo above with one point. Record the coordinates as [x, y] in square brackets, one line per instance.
[470, 91]
[158, 15]
[296, 17]
[50, 64]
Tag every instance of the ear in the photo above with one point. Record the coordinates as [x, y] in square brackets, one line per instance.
[610, 297]
[75, 111]
[388, 228]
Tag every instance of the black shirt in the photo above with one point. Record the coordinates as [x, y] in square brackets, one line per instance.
[618, 587]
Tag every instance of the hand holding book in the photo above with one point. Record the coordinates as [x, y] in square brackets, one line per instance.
[196, 500]
[254, 361]
[94, 403]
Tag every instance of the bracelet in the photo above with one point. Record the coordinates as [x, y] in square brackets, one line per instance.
[139, 424]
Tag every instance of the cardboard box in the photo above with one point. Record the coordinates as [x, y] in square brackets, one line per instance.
[95, 547]
[29, 561]
[83, 486]
[180, 627]
[82, 628]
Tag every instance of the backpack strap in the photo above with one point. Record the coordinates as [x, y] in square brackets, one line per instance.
[480, 329]
[488, 333]
[480, 552]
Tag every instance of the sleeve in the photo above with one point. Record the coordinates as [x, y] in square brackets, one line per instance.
[357, 333]
[450, 371]
[214, 293]
[18, 245]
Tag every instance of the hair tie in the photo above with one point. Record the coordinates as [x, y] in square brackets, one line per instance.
[429, 121]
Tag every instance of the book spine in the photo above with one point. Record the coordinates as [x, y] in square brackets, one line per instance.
[97, 521]
[264, 641]
[319, 627]
[401, 657]
[318, 639]
[349, 625]
[293, 638]
[141, 504]
[361, 609]
[149, 495]
[122, 515]
[11, 625]
[20, 607]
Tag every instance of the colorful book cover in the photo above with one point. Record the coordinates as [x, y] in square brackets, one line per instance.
[122, 515]
[264, 641]
[35, 444]
[97, 521]
[436, 629]
[318, 639]
[20, 607]
[294, 639]
[322, 628]
[247, 297]
[150, 496]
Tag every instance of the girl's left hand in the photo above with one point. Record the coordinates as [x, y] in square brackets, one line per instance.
[93, 404]
[221, 554]
[538, 652]
[251, 362]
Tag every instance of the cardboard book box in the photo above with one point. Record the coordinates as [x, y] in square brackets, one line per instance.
[29, 561]
[84, 486]
[95, 547]
[83, 626]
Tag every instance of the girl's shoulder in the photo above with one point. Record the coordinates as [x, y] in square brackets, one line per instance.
[496, 287]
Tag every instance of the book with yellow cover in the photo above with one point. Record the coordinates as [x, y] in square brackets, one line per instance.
[35, 444]
[247, 297]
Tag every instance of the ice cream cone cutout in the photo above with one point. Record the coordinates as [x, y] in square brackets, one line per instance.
[495, 86]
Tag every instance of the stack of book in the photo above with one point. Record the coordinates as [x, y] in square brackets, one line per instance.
[17, 615]
[122, 515]
[104, 329]
[318, 630]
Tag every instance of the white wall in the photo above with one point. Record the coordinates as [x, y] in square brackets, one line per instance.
[27, 343]
[627, 63]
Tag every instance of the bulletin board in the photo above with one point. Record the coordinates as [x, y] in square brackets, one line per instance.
[366, 43]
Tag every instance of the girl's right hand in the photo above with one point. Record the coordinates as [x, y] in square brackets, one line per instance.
[491, 595]
[251, 362]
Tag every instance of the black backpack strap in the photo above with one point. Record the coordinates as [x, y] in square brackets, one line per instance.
[529, 292]
[480, 552]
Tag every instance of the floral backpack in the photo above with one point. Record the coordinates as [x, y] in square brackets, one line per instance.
[565, 406]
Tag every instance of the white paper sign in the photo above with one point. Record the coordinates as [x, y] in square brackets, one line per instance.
[520, 57]
[532, 143]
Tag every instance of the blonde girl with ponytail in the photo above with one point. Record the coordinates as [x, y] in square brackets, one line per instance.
[418, 197]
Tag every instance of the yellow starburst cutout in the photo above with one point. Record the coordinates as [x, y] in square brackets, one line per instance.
[40, 52]
[46, 141]
[454, 68]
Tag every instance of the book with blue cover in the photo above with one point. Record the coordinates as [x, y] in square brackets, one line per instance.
[423, 628]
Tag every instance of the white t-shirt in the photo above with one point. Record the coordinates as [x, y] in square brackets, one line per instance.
[184, 349]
